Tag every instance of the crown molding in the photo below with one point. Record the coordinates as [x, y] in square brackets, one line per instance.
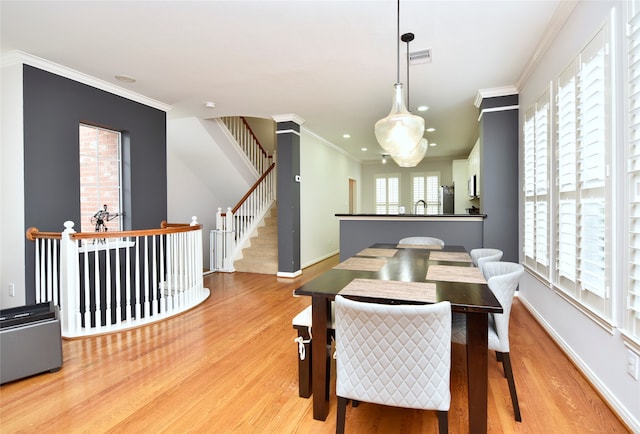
[494, 92]
[564, 10]
[288, 118]
[20, 57]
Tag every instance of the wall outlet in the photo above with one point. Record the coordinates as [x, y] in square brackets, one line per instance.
[12, 290]
[632, 364]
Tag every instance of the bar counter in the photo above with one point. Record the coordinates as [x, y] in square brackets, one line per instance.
[358, 231]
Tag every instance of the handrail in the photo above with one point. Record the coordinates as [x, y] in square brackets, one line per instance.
[251, 190]
[33, 234]
[137, 233]
[168, 228]
[246, 124]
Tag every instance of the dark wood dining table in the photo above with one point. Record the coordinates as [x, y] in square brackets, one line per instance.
[475, 300]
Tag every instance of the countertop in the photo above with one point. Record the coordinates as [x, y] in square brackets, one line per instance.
[422, 216]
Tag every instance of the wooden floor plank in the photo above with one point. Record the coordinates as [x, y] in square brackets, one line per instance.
[230, 365]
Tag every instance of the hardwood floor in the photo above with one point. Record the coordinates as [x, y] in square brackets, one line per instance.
[230, 366]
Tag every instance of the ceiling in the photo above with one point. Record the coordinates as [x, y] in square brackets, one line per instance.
[331, 63]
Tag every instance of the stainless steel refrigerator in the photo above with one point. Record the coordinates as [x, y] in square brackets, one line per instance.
[447, 196]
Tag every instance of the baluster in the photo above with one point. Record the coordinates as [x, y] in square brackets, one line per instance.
[127, 307]
[108, 291]
[155, 281]
[87, 290]
[38, 275]
[163, 271]
[56, 266]
[96, 288]
[49, 270]
[118, 301]
[146, 277]
[138, 313]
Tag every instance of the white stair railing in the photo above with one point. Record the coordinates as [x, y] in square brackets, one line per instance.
[110, 281]
[235, 226]
[248, 142]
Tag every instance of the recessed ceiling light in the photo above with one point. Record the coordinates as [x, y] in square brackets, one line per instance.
[210, 104]
[363, 149]
[423, 108]
[125, 79]
[430, 130]
[346, 136]
[433, 144]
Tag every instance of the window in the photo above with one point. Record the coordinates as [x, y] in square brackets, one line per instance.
[427, 187]
[582, 143]
[632, 317]
[387, 194]
[567, 225]
[536, 186]
[582, 124]
[100, 178]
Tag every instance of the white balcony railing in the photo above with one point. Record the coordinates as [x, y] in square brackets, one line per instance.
[109, 281]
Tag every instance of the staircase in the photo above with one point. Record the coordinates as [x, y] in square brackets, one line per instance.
[261, 253]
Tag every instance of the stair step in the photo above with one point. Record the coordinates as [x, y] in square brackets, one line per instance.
[256, 266]
[259, 253]
[271, 242]
[261, 256]
[265, 231]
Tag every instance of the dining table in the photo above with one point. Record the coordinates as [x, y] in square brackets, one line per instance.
[445, 273]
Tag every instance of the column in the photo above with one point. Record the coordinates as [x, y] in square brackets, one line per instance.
[288, 194]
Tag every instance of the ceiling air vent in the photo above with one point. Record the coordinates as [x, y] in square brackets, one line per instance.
[422, 56]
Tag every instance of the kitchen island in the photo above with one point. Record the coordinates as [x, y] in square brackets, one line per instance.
[358, 231]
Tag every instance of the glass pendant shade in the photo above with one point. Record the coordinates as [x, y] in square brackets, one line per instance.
[400, 132]
[414, 157]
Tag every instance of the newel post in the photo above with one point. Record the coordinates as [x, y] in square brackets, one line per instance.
[229, 241]
[69, 282]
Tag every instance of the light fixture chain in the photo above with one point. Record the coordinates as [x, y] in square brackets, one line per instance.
[398, 46]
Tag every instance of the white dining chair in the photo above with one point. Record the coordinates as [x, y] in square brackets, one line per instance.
[503, 279]
[302, 324]
[395, 355]
[422, 241]
[482, 255]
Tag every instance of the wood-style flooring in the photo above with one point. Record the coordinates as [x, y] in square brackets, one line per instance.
[230, 366]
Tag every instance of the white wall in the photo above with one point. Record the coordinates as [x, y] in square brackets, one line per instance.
[324, 191]
[203, 174]
[370, 170]
[600, 353]
[12, 230]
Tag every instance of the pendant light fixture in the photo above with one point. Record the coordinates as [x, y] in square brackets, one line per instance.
[400, 132]
[412, 158]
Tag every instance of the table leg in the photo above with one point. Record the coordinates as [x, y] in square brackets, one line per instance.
[477, 371]
[319, 315]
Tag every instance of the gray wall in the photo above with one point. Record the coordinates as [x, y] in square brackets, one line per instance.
[288, 192]
[53, 108]
[499, 180]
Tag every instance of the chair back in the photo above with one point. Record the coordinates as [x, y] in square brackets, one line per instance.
[480, 256]
[503, 279]
[422, 241]
[398, 355]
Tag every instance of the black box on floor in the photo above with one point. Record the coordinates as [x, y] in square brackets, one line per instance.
[30, 341]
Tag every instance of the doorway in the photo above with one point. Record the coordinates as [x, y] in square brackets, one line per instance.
[352, 196]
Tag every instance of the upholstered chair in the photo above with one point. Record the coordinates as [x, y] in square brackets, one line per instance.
[394, 355]
[480, 256]
[422, 241]
[503, 279]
